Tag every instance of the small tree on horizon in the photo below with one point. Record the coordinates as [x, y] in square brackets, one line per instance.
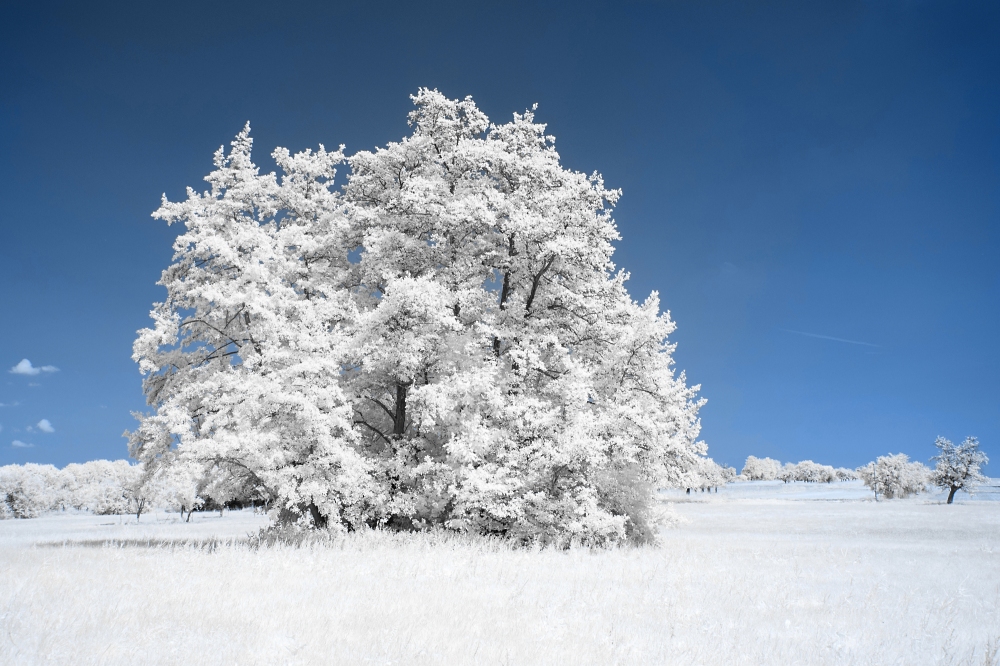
[958, 466]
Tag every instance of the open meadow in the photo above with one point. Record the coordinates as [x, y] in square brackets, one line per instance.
[759, 573]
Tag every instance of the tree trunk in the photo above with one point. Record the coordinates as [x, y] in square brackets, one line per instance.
[319, 520]
[399, 418]
[951, 495]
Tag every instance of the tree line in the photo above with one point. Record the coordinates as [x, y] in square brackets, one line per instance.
[957, 467]
[118, 487]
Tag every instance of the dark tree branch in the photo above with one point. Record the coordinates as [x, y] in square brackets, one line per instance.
[536, 279]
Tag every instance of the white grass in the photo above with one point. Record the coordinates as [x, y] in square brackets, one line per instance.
[756, 574]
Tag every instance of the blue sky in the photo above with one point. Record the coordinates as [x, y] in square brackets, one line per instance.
[814, 188]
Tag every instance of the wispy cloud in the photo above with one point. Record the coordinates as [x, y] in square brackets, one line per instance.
[9, 404]
[829, 337]
[45, 426]
[25, 368]
[18, 444]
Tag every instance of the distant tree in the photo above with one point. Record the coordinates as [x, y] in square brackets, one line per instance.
[179, 486]
[760, 469]
[894, 476]
[101, 486]
[845, 474]
[140, 491]
[708, 474]
[958, 466]
[811, 472]
[767, 469]
[27, 491]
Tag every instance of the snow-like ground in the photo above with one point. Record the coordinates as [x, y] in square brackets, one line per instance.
[759, 573]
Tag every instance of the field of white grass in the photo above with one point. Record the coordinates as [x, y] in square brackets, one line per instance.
[759, 573]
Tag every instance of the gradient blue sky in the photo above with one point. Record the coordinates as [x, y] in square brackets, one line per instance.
[814, 188]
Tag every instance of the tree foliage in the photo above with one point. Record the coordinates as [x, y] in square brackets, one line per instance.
[443, 341]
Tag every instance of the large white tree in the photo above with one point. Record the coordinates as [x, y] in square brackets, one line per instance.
[958, 466]
[445, 342]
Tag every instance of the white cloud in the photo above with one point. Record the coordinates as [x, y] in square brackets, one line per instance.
[18, 444]
[9, 404]
[25, 368]
[45, 426]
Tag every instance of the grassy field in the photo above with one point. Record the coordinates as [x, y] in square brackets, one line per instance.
[756, 574]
